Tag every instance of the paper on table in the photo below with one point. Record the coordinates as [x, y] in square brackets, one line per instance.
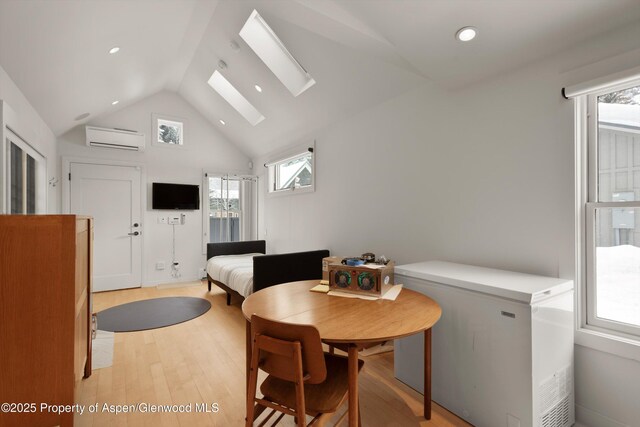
[390, 295]
[320, 288]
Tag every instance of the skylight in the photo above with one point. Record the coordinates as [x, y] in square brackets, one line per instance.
[221, 85]
[266, 44]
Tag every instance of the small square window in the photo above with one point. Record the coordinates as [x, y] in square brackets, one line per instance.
[293, 173]
[168, 131]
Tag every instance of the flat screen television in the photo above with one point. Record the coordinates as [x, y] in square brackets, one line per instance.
[175, 196]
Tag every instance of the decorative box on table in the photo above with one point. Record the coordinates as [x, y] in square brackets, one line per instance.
[370, 279]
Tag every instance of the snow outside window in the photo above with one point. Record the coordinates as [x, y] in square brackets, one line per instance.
[613, 211]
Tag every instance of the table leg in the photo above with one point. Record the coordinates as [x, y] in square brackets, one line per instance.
[353, 385]
[427, 374]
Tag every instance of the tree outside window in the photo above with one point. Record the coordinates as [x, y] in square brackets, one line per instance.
[167, 131]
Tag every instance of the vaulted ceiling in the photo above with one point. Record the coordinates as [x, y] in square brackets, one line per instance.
[360, 52]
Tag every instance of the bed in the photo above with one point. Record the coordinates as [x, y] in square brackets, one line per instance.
[241, 268]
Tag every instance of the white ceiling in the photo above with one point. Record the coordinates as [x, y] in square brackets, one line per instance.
[360, 52]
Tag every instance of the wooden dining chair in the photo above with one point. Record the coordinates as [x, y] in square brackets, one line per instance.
[302, 379]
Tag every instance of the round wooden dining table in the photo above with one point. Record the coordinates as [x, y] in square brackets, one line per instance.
[353, 322]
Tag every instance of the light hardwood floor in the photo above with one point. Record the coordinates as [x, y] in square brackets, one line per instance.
[203, 361]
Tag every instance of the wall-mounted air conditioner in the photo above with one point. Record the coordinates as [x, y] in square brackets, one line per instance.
[120, 139]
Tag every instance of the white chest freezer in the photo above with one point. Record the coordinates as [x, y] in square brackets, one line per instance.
[502, 352]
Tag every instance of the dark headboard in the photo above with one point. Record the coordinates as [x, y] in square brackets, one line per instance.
[236, 248]
[269, 270]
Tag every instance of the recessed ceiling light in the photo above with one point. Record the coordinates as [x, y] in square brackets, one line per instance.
[115, 102]
[114, 49]
[222, 122]
[466, 34]
[258, 88]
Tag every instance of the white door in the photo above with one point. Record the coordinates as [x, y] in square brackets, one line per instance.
[111, 195]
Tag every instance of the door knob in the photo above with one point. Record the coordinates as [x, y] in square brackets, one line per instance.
[135, 233]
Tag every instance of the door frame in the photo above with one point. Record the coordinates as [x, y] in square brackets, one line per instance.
[66, 194]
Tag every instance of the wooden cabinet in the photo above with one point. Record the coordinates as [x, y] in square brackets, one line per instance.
[45, 314]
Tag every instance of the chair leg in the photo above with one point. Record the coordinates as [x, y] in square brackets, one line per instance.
[299, 383]
[209, 284]
[251, 391]
[301, 420]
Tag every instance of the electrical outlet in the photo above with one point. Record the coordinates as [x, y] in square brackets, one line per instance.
[162, 220]
[174, 220]
[202, 273]
[160, 265]
[175, 269]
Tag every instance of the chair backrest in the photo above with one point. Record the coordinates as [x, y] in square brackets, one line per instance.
[277, 341]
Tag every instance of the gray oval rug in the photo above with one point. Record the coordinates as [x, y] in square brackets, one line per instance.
[151, 313]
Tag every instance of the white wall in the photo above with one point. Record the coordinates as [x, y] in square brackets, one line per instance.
[205, 149]
[28, 123]
[435, 174]
[483, 175]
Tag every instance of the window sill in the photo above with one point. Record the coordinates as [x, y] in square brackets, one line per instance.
[280, 193]
[627, 348]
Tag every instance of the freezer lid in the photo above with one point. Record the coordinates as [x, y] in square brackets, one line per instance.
[526, 288]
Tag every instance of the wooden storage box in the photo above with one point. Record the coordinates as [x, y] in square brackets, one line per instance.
[369, 279]
[326, 261]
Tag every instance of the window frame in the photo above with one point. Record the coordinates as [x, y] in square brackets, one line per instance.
[155, 118]
[291, 154]
[587, 157]
[40, 180]
[251, 211]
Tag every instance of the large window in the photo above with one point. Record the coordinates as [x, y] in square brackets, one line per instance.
[292, 173]
[612, 210]
[230, 208]
[26, 181]
[225, 212]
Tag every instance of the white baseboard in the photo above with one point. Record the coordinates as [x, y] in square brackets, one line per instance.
[589, 418]
[192, 278]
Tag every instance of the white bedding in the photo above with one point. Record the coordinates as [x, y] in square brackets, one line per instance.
[235, 271]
